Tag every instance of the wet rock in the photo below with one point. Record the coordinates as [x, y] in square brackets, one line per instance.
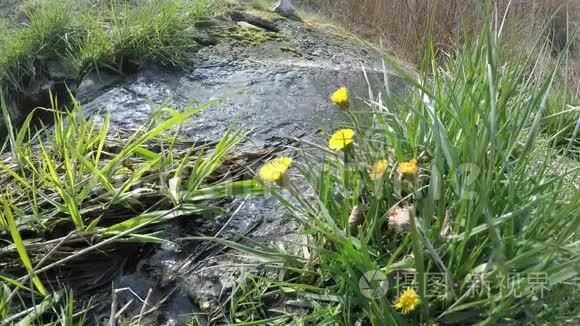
[96, 81]
[56, 70]
[239, 16]
[285, 8]
[205, 40]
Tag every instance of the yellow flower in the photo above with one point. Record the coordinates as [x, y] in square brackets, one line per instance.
[340, 97]
[407, 301]
[378, 170]
[409, 168]
[341, 139]
[275, 169]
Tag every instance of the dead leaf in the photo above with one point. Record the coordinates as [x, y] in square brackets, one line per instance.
[399, 218]
[355, 219]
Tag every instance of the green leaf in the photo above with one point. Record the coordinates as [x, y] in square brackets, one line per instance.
[158, 217]
[146, 154]
[48, 303]
[20, 247]
[237, 188]
[4, 303]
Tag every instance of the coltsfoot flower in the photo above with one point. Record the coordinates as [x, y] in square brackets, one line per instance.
[409, 168]
[340, 97]
[276, 169]
[407, 301]
[378, 170]
[341, 139]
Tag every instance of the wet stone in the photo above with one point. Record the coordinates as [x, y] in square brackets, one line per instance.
[205, 40]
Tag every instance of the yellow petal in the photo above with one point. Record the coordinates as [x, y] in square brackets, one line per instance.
[407, 301]
[275, 169]
[341, 139]
[340, 97]
[409, 168]
[378, 170]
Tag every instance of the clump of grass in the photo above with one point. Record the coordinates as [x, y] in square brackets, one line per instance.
[63, 40]
[152, 32]
[485, 231]
[22, 50]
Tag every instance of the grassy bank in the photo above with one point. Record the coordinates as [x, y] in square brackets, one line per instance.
[70, 38]
[49, 45]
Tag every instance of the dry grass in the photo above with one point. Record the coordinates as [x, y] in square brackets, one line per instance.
[403, 26]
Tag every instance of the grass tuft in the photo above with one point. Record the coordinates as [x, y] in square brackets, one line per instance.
[61, 41]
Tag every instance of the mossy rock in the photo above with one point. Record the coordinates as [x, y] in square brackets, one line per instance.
[249, 35]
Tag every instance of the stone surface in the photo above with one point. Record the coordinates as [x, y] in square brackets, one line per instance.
[95, 82]
[240, 16]
[285, 8]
